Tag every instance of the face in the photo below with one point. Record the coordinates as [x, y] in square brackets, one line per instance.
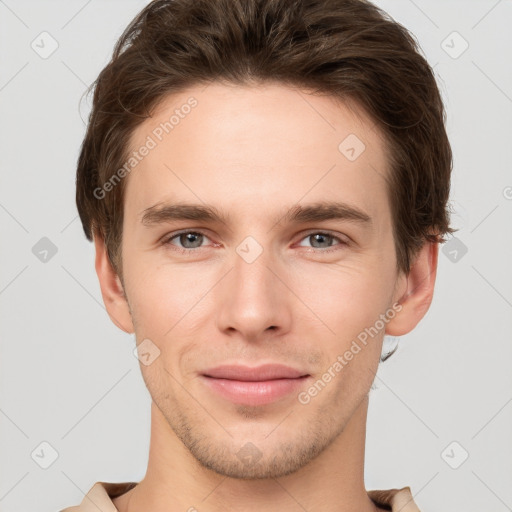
[262, 275]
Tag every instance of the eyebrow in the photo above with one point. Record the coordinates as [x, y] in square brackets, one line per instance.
[320, 211]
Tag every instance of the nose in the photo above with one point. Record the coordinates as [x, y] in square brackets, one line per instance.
[254, 301]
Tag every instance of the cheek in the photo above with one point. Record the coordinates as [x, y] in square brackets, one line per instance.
[168, 300]
[350, 304]
[345, 298]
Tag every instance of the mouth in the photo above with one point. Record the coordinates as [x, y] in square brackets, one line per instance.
[254, 386]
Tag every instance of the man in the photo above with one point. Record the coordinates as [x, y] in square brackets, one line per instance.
[266, 184]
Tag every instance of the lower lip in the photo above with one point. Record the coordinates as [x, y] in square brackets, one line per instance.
[254, 392]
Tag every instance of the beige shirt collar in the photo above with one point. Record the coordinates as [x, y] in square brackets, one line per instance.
[101, 494]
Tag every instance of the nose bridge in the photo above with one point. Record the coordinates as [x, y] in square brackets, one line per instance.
[253, 298]
[251, 273]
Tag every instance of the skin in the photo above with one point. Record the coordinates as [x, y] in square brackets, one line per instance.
[254, 152]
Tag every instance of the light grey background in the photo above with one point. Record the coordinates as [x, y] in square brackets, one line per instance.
[68, 376]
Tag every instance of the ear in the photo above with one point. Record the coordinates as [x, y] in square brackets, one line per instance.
[416, 291]
[112, 289]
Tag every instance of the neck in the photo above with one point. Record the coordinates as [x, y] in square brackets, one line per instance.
[175, 481]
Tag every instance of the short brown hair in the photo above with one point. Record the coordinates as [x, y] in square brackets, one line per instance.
[348, 49]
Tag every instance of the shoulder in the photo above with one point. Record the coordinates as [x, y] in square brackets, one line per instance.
[394, 499]
[100, 497]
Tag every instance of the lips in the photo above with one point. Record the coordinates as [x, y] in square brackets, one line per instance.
[260, 373]
[254, 386]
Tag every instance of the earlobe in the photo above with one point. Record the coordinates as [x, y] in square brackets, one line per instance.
[415, 300]
[112, 289]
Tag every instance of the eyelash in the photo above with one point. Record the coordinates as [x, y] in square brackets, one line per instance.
[167, 241]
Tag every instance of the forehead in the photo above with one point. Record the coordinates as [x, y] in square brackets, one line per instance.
[227, 145]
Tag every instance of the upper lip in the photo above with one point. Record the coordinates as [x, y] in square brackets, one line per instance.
[258, 373]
